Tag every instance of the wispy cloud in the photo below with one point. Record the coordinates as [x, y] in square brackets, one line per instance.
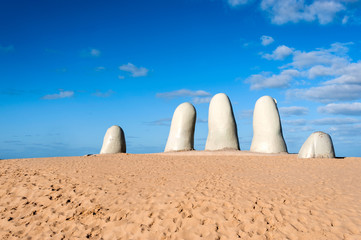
[280, 53]
[335, 121]
[61, 94]
[167, 122]
[98, 69]
[13, 142]
[322, 121]
[12, 92]
[199, 120]
[346, 130]
[349, 74]
[293, 111]
[246, 113]
[160, 122]
[135, 71]
[90, 52]
[284, 11]
[295, 122]
[183, 93]
[103, 94]
[345, 19]
[235, 3]
[294, 11]
[266, 40]
[6, 48]
[95, 52]
[299, 128]
[17, 92]
[200, 100]
[342, 108]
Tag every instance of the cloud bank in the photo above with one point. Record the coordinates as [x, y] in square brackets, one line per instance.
[322, 75]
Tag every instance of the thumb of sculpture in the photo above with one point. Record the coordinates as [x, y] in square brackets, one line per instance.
[181, 133]
[317, 145]
[267, 129]
[114, 141]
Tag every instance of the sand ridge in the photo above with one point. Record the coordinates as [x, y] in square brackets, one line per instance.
[192, 195]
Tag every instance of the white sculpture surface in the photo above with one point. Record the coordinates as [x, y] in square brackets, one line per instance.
[317, 145]
[267, 129]
[222, 128]
[114, 141]
[181, 134]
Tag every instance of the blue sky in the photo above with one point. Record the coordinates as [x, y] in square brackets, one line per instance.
[71, 69]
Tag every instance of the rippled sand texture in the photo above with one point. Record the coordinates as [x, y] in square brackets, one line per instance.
[181, 196]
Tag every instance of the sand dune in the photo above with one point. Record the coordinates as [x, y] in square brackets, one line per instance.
[193, 195]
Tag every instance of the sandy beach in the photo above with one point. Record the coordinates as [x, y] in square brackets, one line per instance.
[191, 195]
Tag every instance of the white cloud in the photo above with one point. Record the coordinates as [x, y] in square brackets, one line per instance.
[341, 108]
[335, 57]
[121, 77]
[183, 93]
[95, 52]
[332, 121]
[350, 74]
[61, 94]
[293, 111]
[235, 3]
[319, 71]
[90, 52]
[325, 11]
[268, 80]
[338, 78]
[284, 11]
[200, 100]
[280, 53]
[295, 11]
[334, 63]
[266, 40]
[345, 19]
[135, 71]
